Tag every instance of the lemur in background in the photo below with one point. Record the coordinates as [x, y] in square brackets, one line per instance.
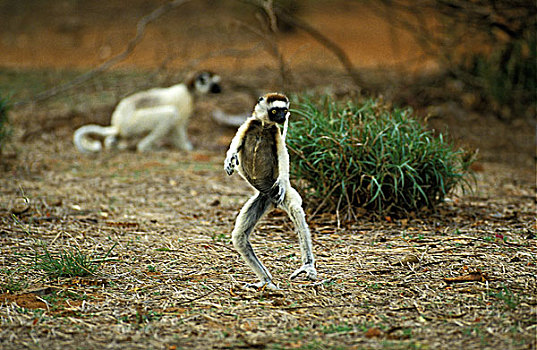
[152, 115]
[259, 154]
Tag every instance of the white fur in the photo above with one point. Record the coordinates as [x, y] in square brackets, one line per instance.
[231, 120]
[280, 104]
[152, 116]
[84, 144]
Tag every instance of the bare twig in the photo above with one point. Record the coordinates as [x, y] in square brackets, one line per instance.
[140, 32]
[273, 48]
[231, 52]
[188, 301]
[329, 44]
[314, 33]
[269, 10]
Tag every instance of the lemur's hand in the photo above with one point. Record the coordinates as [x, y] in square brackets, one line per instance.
[277, 192]
[231, 162]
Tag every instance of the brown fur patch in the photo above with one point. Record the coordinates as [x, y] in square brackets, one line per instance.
[259, 156]
[276, 96]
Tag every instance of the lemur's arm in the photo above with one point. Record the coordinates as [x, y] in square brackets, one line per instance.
[283, 156]
[284, 131]
[232, 157]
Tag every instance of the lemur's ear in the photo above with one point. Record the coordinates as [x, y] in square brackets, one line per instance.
[260, 99]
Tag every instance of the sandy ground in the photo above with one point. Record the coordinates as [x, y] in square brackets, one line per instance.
[172, 278]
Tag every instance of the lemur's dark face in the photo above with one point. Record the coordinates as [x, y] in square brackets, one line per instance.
[274, 107]
[206, 82]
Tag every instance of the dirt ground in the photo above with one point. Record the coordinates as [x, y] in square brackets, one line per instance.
[158, 224]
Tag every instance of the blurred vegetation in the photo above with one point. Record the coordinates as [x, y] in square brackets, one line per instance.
[5, 126]
[505, 78]
[369, 155]
[489, 45]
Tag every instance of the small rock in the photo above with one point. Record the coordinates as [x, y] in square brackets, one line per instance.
[410, 258]
[20, 205]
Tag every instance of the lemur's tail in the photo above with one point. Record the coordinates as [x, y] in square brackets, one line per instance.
[85, 144]
[232, 120]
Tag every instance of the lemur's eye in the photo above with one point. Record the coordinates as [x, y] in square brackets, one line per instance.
[286, 110]
[273, 111]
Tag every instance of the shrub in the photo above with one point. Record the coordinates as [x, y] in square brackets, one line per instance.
[68, 263]
[5, 130]
[489, 45]
[506, 78]
[349, 156]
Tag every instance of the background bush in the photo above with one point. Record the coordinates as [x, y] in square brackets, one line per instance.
[506, 78]
[368, 155]
[5, 130]
[488, 45]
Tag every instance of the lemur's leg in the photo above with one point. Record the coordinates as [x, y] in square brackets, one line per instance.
[248, 217]
[179, 136]
[110, 142]
[292, 204]
[164, 118]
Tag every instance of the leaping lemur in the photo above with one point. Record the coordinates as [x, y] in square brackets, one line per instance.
[259, 154]
[152, 115]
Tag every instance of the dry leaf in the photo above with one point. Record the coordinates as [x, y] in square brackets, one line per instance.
[373, 333]
[471, 277]
[410, 258]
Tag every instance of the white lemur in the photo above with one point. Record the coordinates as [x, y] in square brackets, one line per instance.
[155, 115]
[259, 154]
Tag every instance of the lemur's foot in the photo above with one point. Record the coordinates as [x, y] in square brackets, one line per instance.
[230, 163]
[263, 285]
[187, 146]
[307, 269]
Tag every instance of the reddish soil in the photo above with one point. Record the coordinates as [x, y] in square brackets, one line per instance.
[83, 34]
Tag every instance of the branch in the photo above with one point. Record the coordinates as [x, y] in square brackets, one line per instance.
[273, 48]
[316, 35]
[140, 31]
[230, 52]
[329, 44]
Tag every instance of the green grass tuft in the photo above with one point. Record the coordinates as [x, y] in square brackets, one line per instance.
[67, 263]
[368, 155]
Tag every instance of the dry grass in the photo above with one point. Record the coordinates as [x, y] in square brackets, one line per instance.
[172, 279]
[463, 277]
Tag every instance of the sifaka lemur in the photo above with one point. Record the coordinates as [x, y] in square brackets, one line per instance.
[259, 154]
[151, 116]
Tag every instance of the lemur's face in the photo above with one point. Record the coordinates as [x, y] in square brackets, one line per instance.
[206, 82]
[273, 107]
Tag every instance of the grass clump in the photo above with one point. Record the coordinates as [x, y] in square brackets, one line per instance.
[69, 263]
[368, 155]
